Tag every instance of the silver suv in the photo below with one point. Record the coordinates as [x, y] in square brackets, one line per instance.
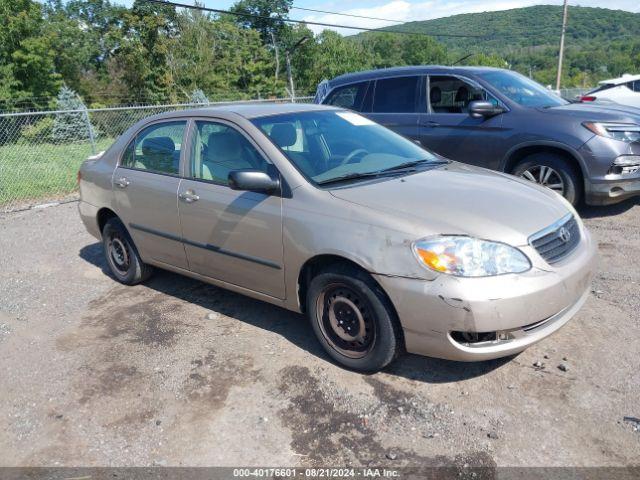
[502, 120]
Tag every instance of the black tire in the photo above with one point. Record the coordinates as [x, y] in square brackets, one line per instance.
[337, 291]
[122, 256]
[568, 173]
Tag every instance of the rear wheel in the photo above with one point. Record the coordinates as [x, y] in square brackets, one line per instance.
[551, 171]
[353, 319]
[122, 257]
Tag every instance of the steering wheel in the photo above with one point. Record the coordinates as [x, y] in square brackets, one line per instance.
[352, 155]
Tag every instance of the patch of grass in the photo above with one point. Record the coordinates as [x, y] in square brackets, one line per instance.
[30, 172]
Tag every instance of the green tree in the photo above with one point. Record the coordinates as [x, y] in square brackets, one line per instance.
[224, 60]
[149, 32]
[71, 126]
[339, 55]
[263, 16]
[84, 33]
[422, 50]
[27, 73]
[384, 48]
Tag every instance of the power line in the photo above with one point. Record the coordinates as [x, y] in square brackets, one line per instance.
[345, 14]
[351, 27]
[303, 22]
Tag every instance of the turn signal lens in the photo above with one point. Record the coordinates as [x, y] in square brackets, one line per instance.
[433, 260]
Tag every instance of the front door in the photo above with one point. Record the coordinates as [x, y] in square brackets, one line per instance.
[230, 235]
[448, 129]
[394, 104]
[145, 186]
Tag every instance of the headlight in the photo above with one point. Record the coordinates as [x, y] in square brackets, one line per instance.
[625, 164]
[625, 132]
[469, 257]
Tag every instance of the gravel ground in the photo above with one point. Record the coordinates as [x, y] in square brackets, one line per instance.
[176, 372]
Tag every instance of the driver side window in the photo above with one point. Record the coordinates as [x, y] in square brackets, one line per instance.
[453, 95]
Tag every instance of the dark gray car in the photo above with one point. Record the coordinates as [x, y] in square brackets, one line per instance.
[501, 120]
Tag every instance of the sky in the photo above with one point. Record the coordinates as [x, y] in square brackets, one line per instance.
[408, 10]
[412, 10]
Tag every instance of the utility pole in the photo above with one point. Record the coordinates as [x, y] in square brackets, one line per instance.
[287, 57]
[565, 11]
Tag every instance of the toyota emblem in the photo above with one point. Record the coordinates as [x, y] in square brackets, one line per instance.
[564, 235]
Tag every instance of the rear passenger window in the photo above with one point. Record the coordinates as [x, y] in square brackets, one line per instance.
[156, 148]
[395, 95]
[348, 97]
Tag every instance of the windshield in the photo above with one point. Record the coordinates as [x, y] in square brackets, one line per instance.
[522, 90]
[330, 145]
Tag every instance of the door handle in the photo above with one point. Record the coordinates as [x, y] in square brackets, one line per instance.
[429, 123]
[122, 182]
[189, 196]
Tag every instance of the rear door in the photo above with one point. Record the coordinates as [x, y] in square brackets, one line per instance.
[447, 128]
[393, 102]
[145, 186]
[229, 235]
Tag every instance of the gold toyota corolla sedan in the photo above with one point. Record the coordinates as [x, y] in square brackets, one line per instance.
[385, 246]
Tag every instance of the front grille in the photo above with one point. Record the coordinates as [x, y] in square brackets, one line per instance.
[558, 240]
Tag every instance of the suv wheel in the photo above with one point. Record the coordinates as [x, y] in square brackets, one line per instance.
[122, 256]
[551, 171]
[353, 319]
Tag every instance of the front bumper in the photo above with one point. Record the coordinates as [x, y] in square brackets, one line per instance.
[521, 308]
[613, 189]
[602, 187]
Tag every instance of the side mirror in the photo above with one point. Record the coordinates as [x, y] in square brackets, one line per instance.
[484, 109]
[253, 181]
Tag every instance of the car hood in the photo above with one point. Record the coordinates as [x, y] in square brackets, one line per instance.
[597, 112]
[461, 199]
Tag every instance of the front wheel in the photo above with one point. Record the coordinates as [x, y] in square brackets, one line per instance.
[551, 171]
[353, 319]
[122, 256]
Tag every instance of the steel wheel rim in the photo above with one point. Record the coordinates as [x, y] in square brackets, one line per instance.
[346, 320]
[545, 176]
[119, 254]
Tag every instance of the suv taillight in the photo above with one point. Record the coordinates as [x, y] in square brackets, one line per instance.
[588, 98]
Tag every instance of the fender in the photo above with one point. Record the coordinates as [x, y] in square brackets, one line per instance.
[545, 143]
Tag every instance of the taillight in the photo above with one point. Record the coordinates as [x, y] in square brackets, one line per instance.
[588, 98]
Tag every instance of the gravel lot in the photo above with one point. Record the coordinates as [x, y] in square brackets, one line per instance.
[176, 372]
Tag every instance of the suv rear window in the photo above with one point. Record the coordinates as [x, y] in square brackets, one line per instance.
[396, 95]
[349, 96]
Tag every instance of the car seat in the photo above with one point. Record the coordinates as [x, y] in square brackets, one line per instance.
[224, 153]
[158, 155]
[461, 100]
[435, 97]
[285, 135]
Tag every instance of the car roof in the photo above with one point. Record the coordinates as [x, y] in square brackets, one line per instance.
[410, 70]
[620, 80]
[246, 110]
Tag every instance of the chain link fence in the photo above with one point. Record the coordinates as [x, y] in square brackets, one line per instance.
[41, 152]
[573, 94]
